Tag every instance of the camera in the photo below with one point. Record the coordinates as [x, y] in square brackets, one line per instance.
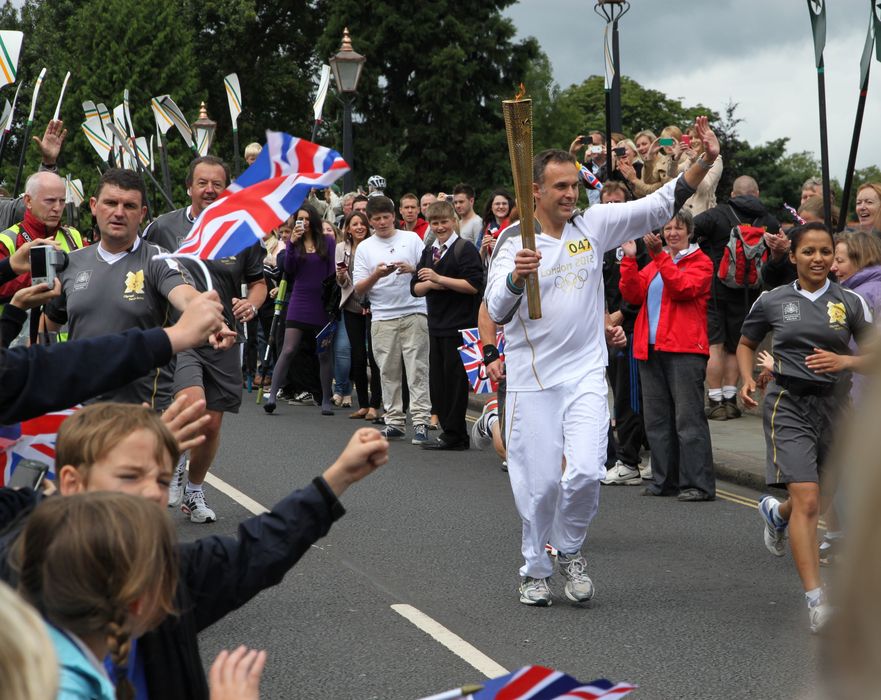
[620, 151]
[595, 149]
[46, 263]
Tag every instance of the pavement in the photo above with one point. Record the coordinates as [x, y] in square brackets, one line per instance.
[738, 445]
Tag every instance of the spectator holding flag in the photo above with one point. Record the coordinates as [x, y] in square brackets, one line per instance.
[308, 261]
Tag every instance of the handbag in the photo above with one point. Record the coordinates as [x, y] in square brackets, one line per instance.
[331, 297]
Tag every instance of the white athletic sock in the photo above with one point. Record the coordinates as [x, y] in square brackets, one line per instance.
[192, 488]
[715, 394]
[729, 392]
[814, 597]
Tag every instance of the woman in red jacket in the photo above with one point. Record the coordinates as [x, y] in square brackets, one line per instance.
[670, 342]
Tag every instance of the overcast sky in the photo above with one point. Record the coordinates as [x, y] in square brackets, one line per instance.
[758, 53]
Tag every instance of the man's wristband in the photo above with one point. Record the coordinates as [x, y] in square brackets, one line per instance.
[490, 354]
[513, 288]
[703, 164]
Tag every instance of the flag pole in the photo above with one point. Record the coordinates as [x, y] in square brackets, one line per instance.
[27, 131]
[865, 66]
[824, 146]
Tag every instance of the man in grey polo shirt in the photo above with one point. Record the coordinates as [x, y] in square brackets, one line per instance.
[207, 373]
[117, 285]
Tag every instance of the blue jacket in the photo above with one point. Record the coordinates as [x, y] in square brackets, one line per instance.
[80, 679]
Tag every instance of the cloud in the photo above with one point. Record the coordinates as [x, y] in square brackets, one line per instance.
[757, 53]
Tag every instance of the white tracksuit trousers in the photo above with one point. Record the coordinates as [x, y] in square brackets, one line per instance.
[556, 505]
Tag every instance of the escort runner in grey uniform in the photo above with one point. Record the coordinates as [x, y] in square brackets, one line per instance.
[100, 297]
[799, 402]
[218, 371]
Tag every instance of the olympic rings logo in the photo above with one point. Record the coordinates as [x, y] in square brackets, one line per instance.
[571, 280]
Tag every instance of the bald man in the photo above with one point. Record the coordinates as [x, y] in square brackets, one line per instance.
[44, 206]
[728, 306]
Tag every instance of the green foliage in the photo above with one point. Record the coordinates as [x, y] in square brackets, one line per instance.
[428, 109]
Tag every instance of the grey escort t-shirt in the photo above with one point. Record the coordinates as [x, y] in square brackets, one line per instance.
[98, 298]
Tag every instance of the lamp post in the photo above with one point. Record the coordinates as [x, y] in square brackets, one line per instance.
[346, 65]
[203, 131]
[612, 11]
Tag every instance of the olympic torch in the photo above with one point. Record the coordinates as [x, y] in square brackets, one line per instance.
[518, 127]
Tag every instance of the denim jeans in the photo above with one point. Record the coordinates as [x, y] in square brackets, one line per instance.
[342, 361]
[675, 423]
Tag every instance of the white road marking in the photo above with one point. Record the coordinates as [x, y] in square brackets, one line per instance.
[242, 499]
[451, 641]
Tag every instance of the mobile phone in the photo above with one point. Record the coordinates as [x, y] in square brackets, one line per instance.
[667, 141]
[341, 266]
[449, 198]
[28, 473]
[686, 140]
[620, 151]
[596, 149]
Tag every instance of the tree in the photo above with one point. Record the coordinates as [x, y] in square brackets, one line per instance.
[429, 101]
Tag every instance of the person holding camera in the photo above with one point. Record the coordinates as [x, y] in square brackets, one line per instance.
[308, 261]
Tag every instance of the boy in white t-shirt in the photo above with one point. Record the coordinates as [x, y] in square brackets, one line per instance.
[384, 265]
[556, 403]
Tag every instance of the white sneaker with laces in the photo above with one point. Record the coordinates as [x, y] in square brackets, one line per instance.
[535, 591]
[773, 535]
[579, 588]
[194, 505]
[178, 482]
[645, 471]
[622, 474]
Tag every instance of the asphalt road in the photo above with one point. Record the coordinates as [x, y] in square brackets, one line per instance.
[689, 603]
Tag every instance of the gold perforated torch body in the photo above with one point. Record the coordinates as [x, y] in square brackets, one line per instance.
[518, 127]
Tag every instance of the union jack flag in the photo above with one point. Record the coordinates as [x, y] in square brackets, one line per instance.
[32, 439]
[261, 200]
[471, 353]
[590, 180]
[286, 155]
[540, 683]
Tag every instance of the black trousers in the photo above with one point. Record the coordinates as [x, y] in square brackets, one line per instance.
[449, 387]
[629, 424]
[358, 328]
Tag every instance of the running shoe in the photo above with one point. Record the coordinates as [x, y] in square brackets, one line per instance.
[535, 591]
[481, 435]
[774, 532]
[623, 474]
[830, 550]
[176, 486]
[194, 505]
[420, 435]
[304, 398]
[646, 471]
[579, 588]
[390, 432]
[819, 616]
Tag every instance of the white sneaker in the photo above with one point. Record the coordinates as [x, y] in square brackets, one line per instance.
[645, 471]
[622, 474]
[773, 535]
[178, 482]
[194, 505]
[819, 615]
[579, 588]
[481, 437]
[535, 591]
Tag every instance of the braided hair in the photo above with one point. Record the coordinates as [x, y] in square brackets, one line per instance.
[86, 560]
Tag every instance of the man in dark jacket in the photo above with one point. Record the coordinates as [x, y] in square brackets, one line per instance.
[728, 307]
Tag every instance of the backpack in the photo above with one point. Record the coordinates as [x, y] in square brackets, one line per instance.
[744, 256]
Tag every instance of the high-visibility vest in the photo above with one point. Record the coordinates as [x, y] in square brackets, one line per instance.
[66, 236]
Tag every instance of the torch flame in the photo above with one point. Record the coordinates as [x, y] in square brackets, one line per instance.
[521, 93]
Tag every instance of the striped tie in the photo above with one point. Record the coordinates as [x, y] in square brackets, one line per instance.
[437, 253]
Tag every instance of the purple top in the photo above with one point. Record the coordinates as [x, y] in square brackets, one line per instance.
[866, 283]
[306, 274]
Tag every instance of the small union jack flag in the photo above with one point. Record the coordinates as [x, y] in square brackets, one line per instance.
[32, 439]
[590, 180]
[471, 353]
[540, 683]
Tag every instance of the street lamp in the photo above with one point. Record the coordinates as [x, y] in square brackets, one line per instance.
[346, 65]
[203, 131]
[612, 11]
